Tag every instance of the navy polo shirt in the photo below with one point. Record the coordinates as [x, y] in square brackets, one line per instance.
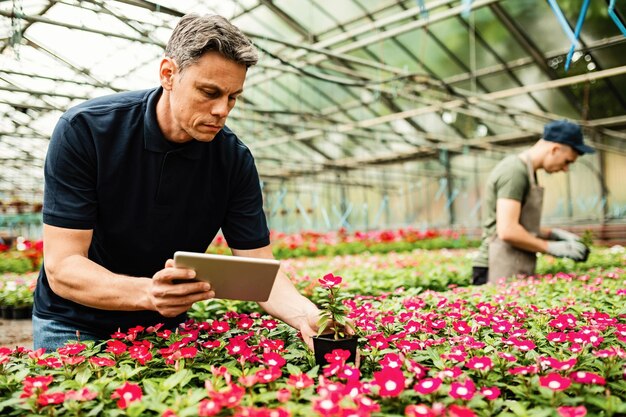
[109, 168]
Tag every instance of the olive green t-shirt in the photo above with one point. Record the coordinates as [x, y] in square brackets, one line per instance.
[508, 179]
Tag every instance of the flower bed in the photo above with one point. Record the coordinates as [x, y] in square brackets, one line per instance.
[314, 244]
[546, 346]
[16, 295]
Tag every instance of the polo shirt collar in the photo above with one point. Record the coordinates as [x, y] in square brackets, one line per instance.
[154, 140]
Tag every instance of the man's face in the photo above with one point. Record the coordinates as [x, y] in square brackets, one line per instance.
[201, 97]
[559, 158]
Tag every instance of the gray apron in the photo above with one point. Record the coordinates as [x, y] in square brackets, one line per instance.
[506, 260]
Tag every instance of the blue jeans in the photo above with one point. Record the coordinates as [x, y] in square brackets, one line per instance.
[52, 334]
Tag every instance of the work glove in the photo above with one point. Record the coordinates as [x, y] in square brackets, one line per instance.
[568, 249]
[560, 234]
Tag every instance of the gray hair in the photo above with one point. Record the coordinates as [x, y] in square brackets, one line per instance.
[195, 35]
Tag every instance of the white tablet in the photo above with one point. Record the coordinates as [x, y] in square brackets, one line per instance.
[232, 277]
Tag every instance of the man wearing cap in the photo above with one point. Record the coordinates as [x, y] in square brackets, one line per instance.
[512, 208]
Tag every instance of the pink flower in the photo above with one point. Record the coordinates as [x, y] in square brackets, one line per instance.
[461, 327]
[391, 382]
[464, 391]
[330, 281]
[524, 370]
[579, 411]
[419, 410]
[507, 356]
[480, 363]
[490, 393]
[325, 406]
[391, 360]
[300, 381]
[555, 382]
[208, 408]
[587, 378]
[84, 394]
[268, 374]
[127, 394]
[427, 385]
[557, 364]
[283, 395]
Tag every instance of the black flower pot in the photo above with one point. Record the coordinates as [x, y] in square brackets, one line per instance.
[22, 313]
[6, 312]
[326, 343]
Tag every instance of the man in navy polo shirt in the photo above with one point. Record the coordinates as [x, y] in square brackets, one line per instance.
[133, 177]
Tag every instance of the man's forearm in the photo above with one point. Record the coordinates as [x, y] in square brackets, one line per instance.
[520, 238]
[81, 280]
[287, 304]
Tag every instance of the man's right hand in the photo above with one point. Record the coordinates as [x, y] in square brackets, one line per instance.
[568, 249]
[171, 297]
[560, 234]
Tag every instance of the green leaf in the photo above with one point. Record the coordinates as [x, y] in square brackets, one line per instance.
[519, 408]
[292, 369]
[182, 377]
[83, 376]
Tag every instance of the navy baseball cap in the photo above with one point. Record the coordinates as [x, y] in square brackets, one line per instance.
[567, 133]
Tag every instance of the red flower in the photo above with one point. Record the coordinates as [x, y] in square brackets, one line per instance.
[391, 382]
[579, 411]
[48, 398]
[73, 360]
[427, 385]
[50, 362]
[459, 411]
[555, 382]
[99, 361]
[273, 359]
[220, 326]
[36, 384]
[330, 281]
[337, 356]
[72, 349]
[127, 394]
[464, 391]
[116, 347]
[238, 346]
[490, 393]
[140, 353]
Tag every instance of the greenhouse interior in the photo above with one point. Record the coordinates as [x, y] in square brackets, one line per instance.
[435, 187]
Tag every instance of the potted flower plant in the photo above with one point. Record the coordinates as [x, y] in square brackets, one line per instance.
[333, 324]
